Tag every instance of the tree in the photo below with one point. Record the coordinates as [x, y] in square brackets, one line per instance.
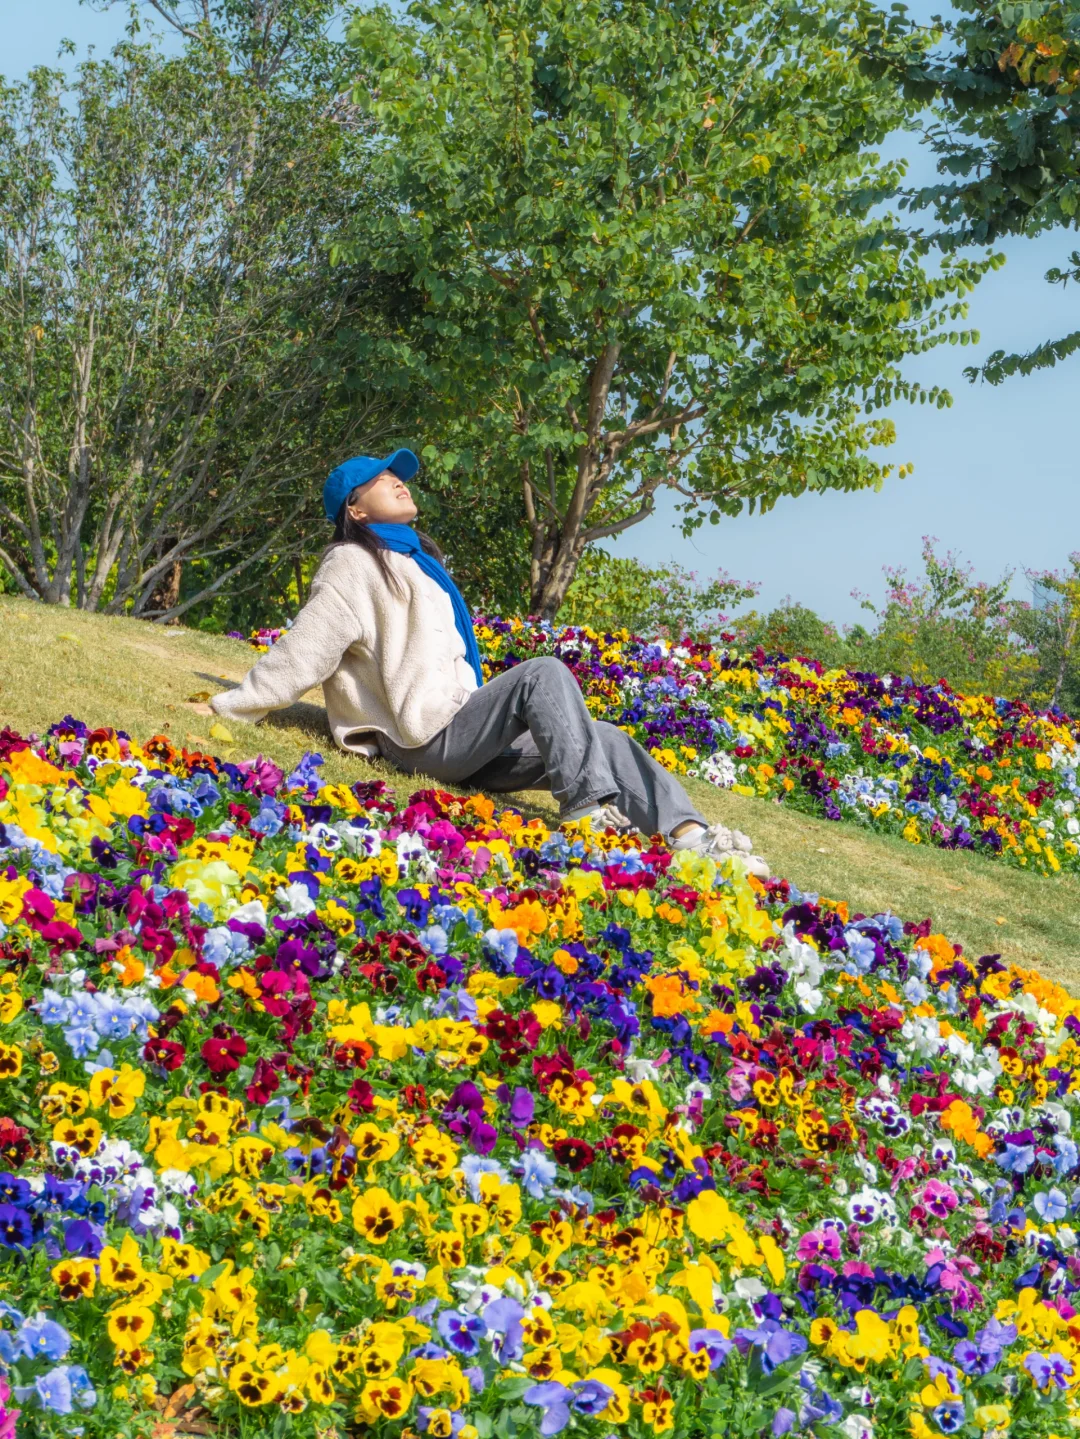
[651, 249]
[945, 625]
[668, 602]
[793, 629]
[1051, 630]
[169, 393]
[272, 43]
[1002, 80]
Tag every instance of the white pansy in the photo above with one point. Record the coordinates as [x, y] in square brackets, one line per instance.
[294, 899]
[960, 1048]
[922, 1035]
[800, 959]
[867, 1206]
[253, 912]
[1057, 1114]
[359, 839]
[810, 999]
[640, 1070]
[750, 1289]
[857, 1426]
[865, 1168]
[977, 1081]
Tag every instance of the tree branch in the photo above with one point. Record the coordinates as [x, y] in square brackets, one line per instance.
[16, 574]
[601, 532]
[174, 21]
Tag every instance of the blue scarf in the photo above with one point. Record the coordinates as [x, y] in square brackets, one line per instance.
[404, 540]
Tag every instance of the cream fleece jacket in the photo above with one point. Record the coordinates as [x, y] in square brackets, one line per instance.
[393, 663]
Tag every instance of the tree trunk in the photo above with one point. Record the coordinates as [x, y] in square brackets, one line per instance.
[549, 590]
[558, 546]
[166, 593]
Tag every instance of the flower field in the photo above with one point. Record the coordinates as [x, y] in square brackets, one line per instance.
[957, 771]
[320, 1115]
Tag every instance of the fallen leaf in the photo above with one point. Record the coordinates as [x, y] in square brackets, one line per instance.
[822, 851]
[64, 635]
[178, 1400]
[1001, 920]
[195, 738]
[218, 731]
[956, 888]
[198, 698]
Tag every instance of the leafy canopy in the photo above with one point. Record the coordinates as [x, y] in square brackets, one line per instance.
[170, 395]
[1050, 628]
[1002, 80]
[666, 601]
[652, 249]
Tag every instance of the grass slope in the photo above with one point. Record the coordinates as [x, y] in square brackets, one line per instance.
[140, 677]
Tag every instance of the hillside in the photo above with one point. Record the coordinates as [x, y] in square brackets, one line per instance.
[140, 678]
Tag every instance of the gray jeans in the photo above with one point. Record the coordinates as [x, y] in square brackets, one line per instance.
[529, 728]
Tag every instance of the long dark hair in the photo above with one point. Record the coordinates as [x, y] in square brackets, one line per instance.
[350, 531]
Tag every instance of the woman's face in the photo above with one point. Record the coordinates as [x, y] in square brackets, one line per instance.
[385, 500]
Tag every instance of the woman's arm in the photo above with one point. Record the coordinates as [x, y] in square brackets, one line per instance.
[305, 656]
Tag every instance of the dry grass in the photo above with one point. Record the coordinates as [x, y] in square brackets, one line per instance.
[140, 678]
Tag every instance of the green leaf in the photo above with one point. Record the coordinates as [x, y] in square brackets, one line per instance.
[330, 1284]
[209, 1276]
[514, 1387]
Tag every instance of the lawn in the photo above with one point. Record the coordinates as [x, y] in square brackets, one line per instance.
[141, 678]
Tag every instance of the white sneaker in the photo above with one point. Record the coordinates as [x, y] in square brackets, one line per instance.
[720, 843]
[602, 817]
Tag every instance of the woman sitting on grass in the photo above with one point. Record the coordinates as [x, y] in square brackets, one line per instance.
[389, 637]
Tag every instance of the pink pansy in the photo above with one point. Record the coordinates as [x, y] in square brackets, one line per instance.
[819, 1244]
[904, 1170]
[740, 1080]
[940, 1198]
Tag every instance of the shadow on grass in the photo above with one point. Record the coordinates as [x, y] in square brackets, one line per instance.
[309, 719]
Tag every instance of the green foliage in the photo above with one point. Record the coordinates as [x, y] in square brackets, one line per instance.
[486, 545]
[652, 250]
[171, 385]
[668, 601]
[945, 626]
[793, 629]
[1051, 631]
[272, 43]
[1003, 81]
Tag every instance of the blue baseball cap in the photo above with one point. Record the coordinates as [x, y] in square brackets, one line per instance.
[341, 482]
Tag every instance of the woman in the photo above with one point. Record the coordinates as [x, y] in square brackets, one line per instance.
[388, 636]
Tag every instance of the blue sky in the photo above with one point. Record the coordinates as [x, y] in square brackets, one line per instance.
[995, 477]
[33, 30]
